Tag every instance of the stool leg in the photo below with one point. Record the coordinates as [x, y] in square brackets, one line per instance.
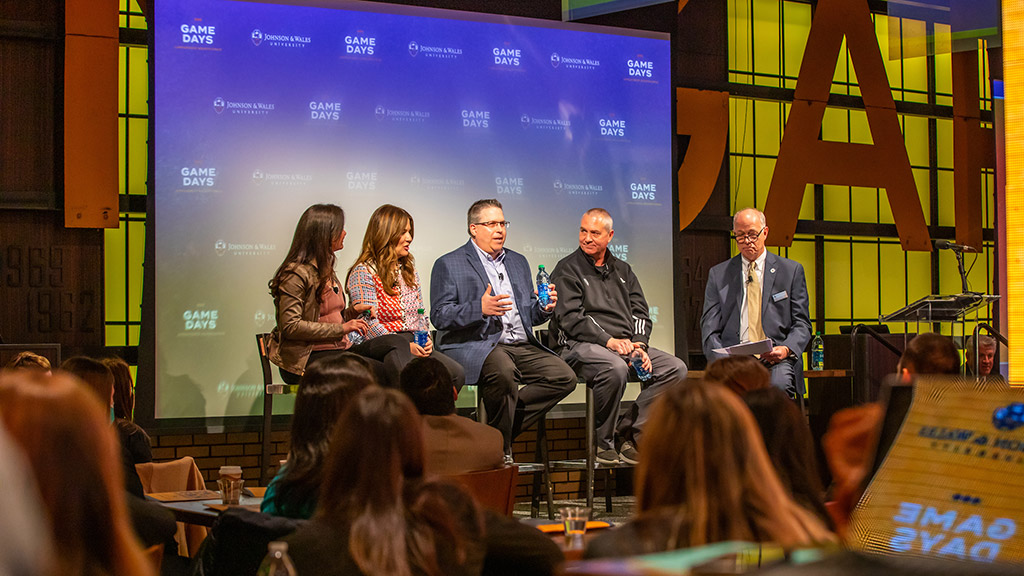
[268, 412]
[542, 453]
[608, 492]
[591, 463]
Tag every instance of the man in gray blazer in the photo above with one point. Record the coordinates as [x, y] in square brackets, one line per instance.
[484, 306]
[755, 295]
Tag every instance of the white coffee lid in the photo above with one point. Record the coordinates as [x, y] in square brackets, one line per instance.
[236, 470]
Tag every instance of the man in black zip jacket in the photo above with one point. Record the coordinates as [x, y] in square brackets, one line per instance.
[600, 319]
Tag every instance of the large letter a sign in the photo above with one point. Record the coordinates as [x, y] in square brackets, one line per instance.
[804, 158]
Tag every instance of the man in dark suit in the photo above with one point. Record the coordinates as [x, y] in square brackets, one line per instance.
[755, 295]
[484, 306]
[452, 444]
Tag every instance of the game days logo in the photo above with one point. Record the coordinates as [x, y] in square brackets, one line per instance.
[643, 191]
[509, 185]
[361, 180]
[200, 320]
[198, 34]
[220, 105]
[476, 118]
[620, 251]
[359, 44]
[442, 52]
[507, 57]
[280, 40]
[612, 126]
[574, 62]
[325, 111]
[640, 68]
[192, 177]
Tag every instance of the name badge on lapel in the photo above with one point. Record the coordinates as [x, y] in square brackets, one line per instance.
[780, 296]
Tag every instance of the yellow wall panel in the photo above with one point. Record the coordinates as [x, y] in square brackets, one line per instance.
[765, 169]
[768, 136]
[864, 204]
[115, 290]
[136, 256]
[741, 129]
[919, 276]
[742, 182]
[807, 206]
[860, 131]
[915, 136]
[921, 178]
[944, 142]
[835, 125]
[767, 58]
[138, 86]
[837, 280]
[836, 202]
[137, 154]
[947, 214]
[893, 278]
[865, 281]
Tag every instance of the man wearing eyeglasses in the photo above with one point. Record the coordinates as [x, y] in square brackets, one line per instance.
[757, 295]
[484, 306]
[601, 320]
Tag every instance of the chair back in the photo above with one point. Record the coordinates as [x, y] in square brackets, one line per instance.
[238, 542]
[491, 489]
[262, 340]
[175, 476]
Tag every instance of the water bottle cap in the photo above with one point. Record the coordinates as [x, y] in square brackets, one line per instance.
[419, 310]
[277, 546]
[540, 266]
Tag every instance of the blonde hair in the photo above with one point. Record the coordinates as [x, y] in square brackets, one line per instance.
[718, 484]
[64, 431]
[386, 226]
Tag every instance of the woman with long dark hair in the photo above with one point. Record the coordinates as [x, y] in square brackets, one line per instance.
[715, 486]
[312, 319]
[384, 277]
[326, 388]
[376, 512]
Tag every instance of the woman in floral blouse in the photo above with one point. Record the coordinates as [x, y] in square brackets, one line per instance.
[385, 278]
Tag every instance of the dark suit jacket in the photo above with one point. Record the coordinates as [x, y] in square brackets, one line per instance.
[457, 283]
[456, 445]
[784, 315]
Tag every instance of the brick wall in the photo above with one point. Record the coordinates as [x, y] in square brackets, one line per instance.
[566, 440]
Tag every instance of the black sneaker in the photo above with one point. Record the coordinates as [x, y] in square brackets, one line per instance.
[608, 457]
[628, 453]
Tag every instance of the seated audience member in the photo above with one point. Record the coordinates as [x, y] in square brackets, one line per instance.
[32, 362]
[95, 375]
[384, 278]
[986, 355]
[376, 513]
[65, 434]
[790, 447]
[133, 437]
[25, 547]
[741, 374]
[326, 388]
[452, 444]
[716, 486]
[929, 353]
[853, 432]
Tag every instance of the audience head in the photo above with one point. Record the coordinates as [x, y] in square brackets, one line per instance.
[719, 484]
[318, 235]
[398, 525]
[65, 433]
[740, 374]
[386, 246]
[427, 383]
[986, 354]
[94, 374]
[328, 385]
[929, 353]
[790, 447]
[31, 362]
[124, 388]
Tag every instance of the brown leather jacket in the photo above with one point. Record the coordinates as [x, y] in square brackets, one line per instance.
[297, 320]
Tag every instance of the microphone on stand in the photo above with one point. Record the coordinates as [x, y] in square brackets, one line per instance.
[948, 245]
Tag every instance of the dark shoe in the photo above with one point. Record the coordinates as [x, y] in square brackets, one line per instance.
[608, 457]
[628, 453]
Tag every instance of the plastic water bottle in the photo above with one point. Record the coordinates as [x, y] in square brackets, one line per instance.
[636, 360]
[817, 352]
[277, 562]
[422, 333]
[542, 286]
